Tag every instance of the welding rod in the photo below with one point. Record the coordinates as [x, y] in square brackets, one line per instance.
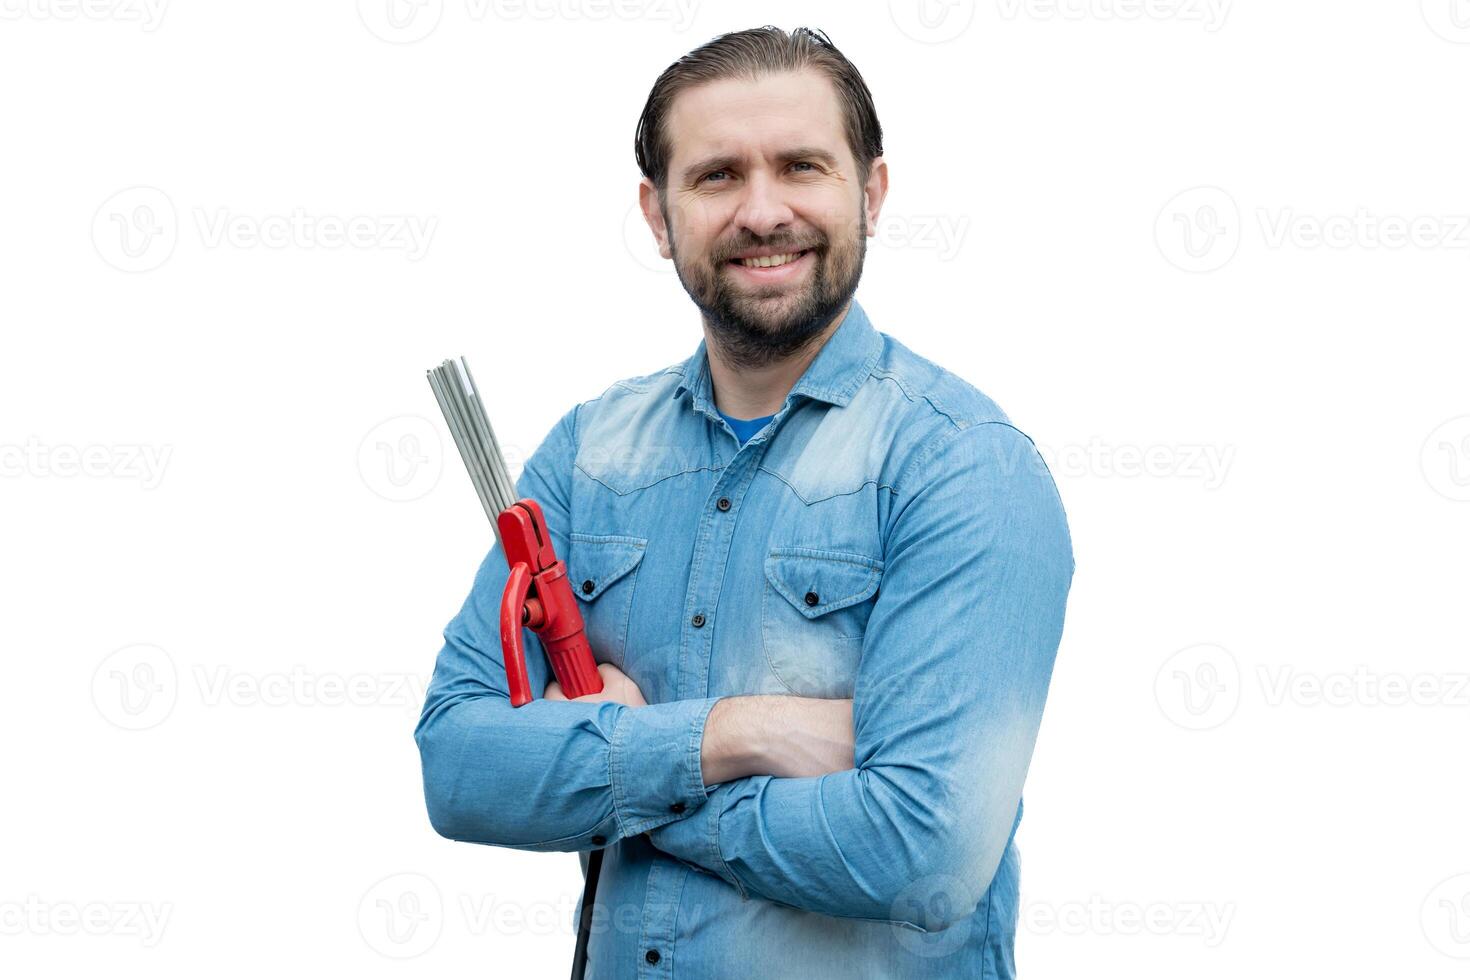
[459, 399]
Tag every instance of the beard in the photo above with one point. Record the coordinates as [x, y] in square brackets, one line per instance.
[754, 326]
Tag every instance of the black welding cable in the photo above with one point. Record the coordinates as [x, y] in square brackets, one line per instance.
[584, 926]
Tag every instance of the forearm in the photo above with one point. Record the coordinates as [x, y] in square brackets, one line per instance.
[776, 735]
[557, 776]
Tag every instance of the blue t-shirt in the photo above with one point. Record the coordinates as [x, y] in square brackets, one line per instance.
[745, 428]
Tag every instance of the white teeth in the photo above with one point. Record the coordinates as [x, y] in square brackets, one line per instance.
[766, 261]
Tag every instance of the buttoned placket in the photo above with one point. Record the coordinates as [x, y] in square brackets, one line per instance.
[715, 536]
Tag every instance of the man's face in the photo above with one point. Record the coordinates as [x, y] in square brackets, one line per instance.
[763, 168]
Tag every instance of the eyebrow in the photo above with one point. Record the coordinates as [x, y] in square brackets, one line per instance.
[726, 160]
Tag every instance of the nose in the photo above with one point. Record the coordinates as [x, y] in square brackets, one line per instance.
[763, 209]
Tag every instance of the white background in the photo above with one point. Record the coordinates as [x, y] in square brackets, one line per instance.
[1211, 256]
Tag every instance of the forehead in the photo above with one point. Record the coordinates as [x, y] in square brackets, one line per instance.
[737, 116]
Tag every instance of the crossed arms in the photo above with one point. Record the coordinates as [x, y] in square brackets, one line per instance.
[771, 793]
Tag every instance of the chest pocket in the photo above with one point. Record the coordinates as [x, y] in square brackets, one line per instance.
[602, 570]
[814, 613]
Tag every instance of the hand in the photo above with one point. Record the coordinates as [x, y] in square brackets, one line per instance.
[616, 686]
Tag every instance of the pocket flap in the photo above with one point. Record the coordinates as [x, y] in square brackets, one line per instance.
[598, 560]
[817, 582]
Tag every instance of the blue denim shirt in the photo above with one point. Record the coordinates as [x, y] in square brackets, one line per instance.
[889, 537]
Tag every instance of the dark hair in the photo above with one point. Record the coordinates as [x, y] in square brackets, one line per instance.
[751, 54]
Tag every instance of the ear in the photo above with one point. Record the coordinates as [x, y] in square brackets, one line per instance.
[654, 216]
[874, 191]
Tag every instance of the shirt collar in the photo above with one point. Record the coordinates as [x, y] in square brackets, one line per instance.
[833, 376]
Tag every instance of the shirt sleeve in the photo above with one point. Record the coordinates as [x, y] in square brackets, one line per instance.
[957, 659]
[548, 775]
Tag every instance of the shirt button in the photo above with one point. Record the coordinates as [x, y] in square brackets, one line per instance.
[652, 956]
[812, 599]
[698, 620]
[677, 807]
[723, 503]
[599, 840]
[588, 586]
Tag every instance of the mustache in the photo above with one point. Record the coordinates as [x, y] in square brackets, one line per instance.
[785, 246]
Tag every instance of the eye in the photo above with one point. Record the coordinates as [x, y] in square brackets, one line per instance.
[709, 175]
[804, 163]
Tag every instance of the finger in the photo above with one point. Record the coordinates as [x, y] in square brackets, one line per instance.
[553, 692]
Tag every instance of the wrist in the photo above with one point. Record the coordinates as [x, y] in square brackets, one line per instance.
[734, 746]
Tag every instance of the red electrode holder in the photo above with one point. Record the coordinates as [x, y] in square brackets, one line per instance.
[539, 597]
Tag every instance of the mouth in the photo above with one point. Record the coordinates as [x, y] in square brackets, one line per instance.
[773, 268]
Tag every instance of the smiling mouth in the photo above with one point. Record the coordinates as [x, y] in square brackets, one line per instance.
[769, 261]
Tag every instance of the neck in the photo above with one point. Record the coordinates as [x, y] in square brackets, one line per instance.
[752, 393]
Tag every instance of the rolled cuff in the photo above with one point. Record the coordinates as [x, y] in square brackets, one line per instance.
[697, 842]
[654, 764]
